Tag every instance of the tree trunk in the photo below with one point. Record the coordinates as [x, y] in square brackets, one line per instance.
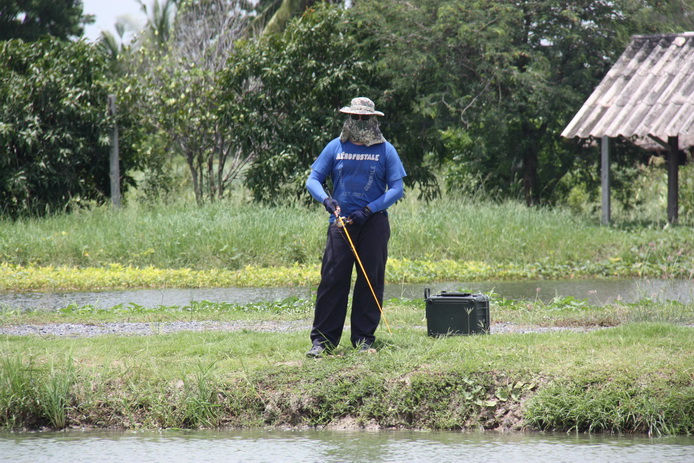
[530, 177]
[287, 10]
[530, 181]
[190, 158]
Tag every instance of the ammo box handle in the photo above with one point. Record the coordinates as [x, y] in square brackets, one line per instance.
[445, 293]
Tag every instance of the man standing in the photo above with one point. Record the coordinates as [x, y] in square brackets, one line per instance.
[367, 174]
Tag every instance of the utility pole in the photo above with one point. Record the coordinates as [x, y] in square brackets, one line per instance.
[673, 162]
[114, 168]
[605, 179]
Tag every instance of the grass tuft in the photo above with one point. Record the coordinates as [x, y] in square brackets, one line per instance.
[18, 404]
[55, 394]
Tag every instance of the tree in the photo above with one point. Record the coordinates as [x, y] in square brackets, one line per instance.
[160, 21]
[31, 20]
[659, 17]
[287, 10]
[54, 129]
[282, 95]
[176, 91]
[276, 14]
[488, 85]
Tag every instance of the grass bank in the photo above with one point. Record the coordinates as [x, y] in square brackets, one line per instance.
[632, 375]
[232, 244]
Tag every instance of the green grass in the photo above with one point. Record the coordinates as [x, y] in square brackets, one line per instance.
[559, 312]
[632, 377]
[232, 235]
[18, 404]
[55, 392]
[247, 379]
[218, 235]
[235, 244]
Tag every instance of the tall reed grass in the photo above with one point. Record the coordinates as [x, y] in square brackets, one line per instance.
[31, 398]
[55, 393]
[18, 404]
[232, 235]
[203, 408]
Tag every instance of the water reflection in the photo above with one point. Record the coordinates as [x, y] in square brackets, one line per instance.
[337, 446]
[595, 291]
[147, 297]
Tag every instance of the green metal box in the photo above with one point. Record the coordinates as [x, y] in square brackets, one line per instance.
[450, 314]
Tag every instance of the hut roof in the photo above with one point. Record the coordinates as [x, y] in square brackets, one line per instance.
[648, 94]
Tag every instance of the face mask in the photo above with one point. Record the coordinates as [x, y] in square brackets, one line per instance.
[359, 125]
[363, 132]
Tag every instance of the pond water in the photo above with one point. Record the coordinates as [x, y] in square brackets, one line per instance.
[596, 291]
[339, 446]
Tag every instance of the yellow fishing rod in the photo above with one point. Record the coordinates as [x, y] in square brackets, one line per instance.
[343, 226]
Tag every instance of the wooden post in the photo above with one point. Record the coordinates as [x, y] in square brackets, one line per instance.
[673, 161]
[114, 168]
[605, 179]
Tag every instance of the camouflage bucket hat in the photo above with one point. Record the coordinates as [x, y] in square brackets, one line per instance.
[361, 105]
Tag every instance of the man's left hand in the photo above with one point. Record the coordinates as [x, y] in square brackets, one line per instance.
[359, 217]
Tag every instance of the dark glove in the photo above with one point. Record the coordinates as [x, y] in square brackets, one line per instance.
[331, 205]
[359, 217]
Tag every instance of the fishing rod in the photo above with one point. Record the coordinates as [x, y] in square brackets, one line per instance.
[363, 271]
[343, 226]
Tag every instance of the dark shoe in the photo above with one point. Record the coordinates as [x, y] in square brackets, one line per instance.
[366, 348]
[316, 351]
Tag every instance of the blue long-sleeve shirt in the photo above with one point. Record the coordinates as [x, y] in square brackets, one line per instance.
[361, 175]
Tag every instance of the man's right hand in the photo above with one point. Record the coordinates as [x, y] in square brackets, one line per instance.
[331, 206]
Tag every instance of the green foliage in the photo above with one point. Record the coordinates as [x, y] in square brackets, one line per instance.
[658, 17]
[483, 89]
[29, 397]
[55, 394]
[281, 96]
[227, 243]
[55, 129]
[488, 86]
[290, 305]
[159, 27]
[18, 405]
[476, 89]
[172, 85]
[640, 195]
[201, 404]
[612, 406]
[31, 20]
[285, 10]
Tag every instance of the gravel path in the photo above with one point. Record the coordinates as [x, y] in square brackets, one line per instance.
[80, 330]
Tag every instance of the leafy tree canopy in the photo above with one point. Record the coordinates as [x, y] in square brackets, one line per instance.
[54, 127]
[30, 20]
[172, 88]
[486, 86]
[282, 95]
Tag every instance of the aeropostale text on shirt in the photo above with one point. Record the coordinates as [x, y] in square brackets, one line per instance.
[358, 157]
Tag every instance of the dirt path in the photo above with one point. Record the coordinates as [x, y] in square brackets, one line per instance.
[79, 330]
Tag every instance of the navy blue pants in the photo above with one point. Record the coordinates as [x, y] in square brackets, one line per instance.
[371, 242]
